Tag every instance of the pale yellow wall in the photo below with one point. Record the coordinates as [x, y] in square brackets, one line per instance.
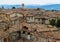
[30, 19]
[4, 16]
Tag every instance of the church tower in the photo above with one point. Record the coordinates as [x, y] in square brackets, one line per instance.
[22, 5]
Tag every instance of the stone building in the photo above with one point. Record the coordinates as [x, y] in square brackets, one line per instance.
[30, 18]
[29, 25]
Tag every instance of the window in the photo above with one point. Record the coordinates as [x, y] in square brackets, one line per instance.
[23, 32]
[5, 40]
[35, 30]
[38, 19]
[29, 17]
[28, 33]
[25, 27]
[5, 29]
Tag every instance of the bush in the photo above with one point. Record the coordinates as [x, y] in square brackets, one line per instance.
[52, 22]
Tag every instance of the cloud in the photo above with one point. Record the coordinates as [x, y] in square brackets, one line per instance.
[27, 2]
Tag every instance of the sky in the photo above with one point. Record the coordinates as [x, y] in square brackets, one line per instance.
[30, 2]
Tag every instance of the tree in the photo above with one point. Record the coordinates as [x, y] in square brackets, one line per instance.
[58, 23]
[55, 22]
[13, 8]
[38, 8]
[52, 22]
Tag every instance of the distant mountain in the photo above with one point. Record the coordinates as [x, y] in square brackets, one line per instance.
[52, 7]
[9, 6]
[47, 7]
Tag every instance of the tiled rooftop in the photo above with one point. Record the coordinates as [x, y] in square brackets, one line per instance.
[47, 30]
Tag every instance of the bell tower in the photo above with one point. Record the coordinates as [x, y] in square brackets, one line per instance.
[22, 5]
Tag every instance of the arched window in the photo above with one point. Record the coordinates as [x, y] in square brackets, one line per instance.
[25, 27]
